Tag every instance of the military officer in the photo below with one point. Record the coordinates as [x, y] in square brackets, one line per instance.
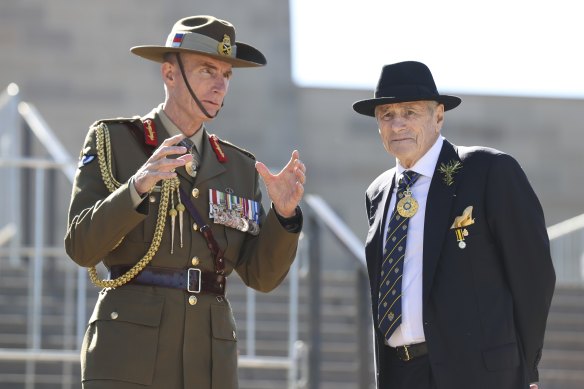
[171, 210]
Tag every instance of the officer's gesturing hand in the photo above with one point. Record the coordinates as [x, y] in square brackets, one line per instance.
[287, 187]
[159, 166]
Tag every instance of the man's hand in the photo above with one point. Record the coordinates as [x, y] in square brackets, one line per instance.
[287, 187]
[159, 167]
[533, 386]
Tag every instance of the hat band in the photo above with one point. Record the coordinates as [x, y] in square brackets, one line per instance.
[411, 91]
[199, 42]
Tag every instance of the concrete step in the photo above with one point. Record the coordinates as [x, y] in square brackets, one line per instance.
[565, 340]
[563, 359]
[262, 384]
[566, 321]
[328, 310]
[561, 378]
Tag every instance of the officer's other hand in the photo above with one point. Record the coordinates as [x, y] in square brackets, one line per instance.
[287, 187]
[161, 165]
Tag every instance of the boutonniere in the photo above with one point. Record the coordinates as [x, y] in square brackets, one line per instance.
[448, 171]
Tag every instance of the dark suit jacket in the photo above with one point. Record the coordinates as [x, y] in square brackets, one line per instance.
[485, 306]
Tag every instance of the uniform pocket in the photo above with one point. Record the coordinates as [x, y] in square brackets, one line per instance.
[224, 348]
[121, 340]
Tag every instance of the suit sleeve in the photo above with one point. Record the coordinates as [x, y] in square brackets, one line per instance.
[516, 219]
[266, 258]
[98, 220]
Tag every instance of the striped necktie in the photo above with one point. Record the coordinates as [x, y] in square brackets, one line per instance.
[191, 167]
[390, 287]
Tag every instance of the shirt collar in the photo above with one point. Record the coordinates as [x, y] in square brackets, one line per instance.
[425, 165]
[173, 130]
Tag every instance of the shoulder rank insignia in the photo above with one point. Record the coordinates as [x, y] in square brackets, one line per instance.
[221, 157]
[150, 132]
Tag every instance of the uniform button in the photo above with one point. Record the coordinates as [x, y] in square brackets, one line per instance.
[219, 299]
[196, 193]
[234, 335]
[193, 300]
[195, 227]
[152, 198]
[114, 315]
[195, 261]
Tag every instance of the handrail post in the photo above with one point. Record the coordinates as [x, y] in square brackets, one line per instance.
[10, 147]
[314, 298]
[364, 328]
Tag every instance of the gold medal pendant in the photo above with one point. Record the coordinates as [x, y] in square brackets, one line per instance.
[191, 168]
[407, 206]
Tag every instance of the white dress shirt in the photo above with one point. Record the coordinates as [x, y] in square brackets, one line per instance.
[411, 329]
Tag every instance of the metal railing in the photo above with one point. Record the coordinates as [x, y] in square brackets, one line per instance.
[567, 247]
[321, 217]
[14, 165]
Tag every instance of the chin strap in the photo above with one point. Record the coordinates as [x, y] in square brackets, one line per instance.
[199, 104]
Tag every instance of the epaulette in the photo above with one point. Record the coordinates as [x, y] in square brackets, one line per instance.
[143, 130]
[118, 120]
[241, 150]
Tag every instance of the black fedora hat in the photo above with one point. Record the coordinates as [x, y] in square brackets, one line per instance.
[206, 35]
[402, 82]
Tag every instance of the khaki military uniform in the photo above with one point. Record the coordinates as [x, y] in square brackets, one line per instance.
[156, 337]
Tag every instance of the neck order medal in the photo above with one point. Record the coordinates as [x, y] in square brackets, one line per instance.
[191, 168]
[407, 206]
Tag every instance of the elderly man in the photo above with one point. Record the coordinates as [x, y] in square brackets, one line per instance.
[171, 210]
[457, 250]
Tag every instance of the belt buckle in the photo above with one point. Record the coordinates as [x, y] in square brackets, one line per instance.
[198, 271]
[407, 356]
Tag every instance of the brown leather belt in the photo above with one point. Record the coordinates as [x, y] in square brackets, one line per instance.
[408, 352]
[190, 280]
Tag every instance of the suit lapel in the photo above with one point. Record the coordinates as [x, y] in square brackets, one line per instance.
[436, 222]
[374, 247]
[210, 165]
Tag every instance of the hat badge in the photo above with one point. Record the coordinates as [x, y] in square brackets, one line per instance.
[224, 47]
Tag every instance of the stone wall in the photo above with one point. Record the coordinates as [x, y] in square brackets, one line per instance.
[71, 60]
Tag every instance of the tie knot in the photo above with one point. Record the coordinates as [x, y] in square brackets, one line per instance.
[186, 142]
[408, 178]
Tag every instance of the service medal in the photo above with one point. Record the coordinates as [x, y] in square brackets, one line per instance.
[460, 234]
[191, 168]
[407, 206]
[254, 228]
[243, 225]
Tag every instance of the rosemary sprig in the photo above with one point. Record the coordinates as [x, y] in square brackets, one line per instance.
[448, 171]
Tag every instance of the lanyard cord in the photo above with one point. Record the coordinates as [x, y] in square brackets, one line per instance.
[205, 230]
[199, 104]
